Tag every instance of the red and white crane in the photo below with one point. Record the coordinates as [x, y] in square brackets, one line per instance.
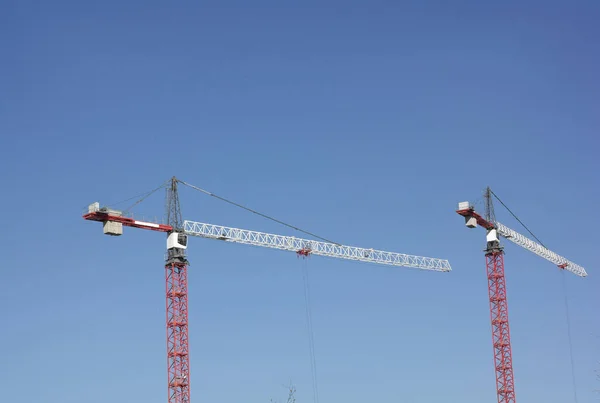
[177, 230]
[494, 258]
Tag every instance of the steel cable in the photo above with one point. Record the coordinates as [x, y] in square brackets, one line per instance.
[256, 212]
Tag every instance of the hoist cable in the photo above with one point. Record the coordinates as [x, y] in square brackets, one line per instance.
[564, 284]
[311, 337]
[256, 212]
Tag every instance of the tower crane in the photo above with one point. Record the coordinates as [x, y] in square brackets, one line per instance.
[494, 257]
[176, 263]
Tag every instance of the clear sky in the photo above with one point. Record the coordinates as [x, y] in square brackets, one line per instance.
[363, 121]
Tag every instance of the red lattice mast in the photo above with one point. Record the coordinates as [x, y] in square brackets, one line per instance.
[178, 361]
[178, 350]
[505, 385]
[494, 262]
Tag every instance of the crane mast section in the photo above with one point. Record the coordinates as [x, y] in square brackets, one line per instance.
[539, 250]
[306, 247]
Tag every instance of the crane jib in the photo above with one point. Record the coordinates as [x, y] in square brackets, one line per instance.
[310, 247]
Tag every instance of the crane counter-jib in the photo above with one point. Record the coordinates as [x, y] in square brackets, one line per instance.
[306, 246]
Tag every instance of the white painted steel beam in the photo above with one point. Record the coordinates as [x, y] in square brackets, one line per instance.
[539, 250]
[293, 244]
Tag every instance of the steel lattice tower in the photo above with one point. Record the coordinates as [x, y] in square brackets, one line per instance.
[178, 358]
[500, 328]
[494, 262]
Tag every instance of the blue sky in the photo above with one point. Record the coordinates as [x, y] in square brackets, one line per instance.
[364, 122]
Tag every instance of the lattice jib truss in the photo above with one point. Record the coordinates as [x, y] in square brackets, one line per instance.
[539, 250]
[305, 246]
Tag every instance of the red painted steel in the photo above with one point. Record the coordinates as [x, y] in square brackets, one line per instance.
[128, 222]
[304, 252]
[178, 363]
[480, 220]
[505, 384]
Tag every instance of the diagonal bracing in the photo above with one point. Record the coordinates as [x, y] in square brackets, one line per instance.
[312, 247]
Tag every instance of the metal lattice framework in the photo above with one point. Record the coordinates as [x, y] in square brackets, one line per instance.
[505, 383]
[294, 244]
[539, 250]
[178, 359]
[176, 263]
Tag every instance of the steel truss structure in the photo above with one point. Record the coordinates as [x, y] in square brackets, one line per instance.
[176, 265]
[503, 363]
[539, 250]
[505, 384]
[306, 247]
[178, 359]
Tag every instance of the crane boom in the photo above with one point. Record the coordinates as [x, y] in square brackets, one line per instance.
[539, 250]
[306, 247]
